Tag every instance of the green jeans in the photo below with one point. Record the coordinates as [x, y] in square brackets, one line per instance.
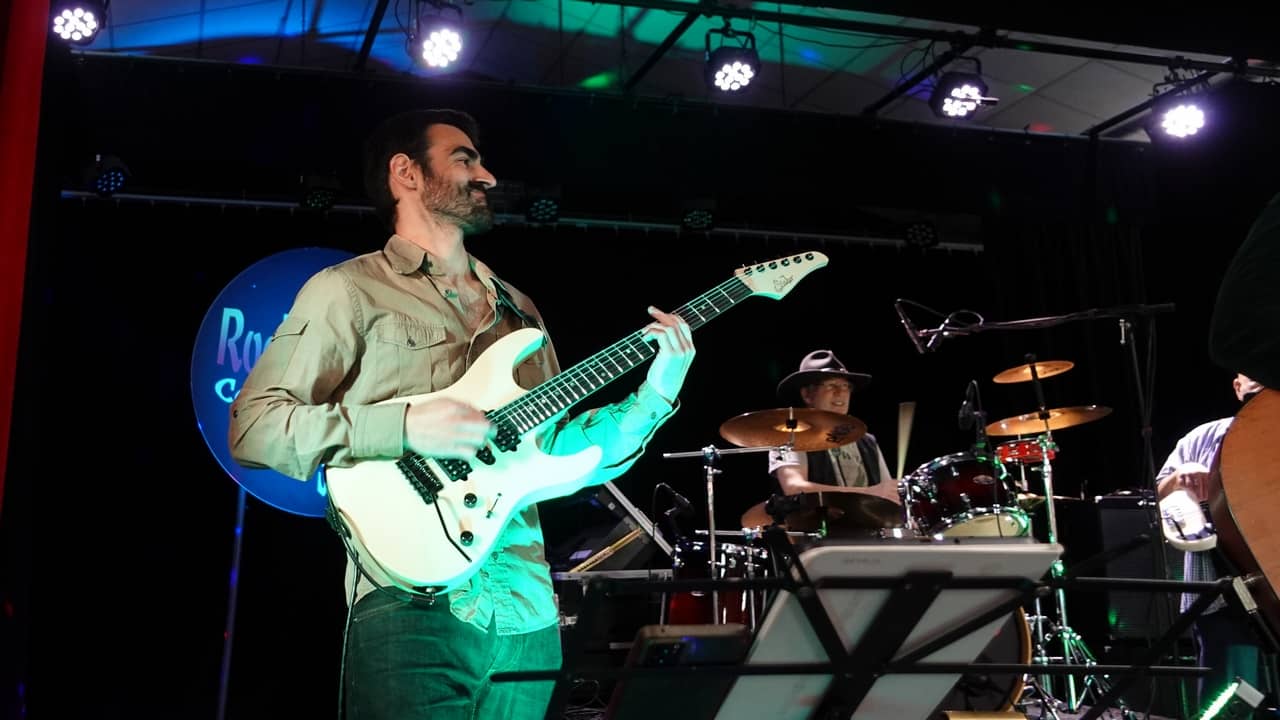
[410, 660]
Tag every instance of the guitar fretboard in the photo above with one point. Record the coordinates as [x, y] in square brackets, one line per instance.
[562, 391]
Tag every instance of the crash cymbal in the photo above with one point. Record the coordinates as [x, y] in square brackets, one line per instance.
[1031, 424]
[805, 429]
[1022, 373]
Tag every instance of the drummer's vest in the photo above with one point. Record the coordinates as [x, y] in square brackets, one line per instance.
[821, 470]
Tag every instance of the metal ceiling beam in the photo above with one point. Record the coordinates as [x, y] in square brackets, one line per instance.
[375, 24]
[672, 37]
[902, 88]
[955, 37]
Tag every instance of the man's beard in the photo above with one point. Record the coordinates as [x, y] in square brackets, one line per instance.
[456, 206]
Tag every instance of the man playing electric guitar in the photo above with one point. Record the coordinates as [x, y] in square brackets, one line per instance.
[412, 319]
[1226, 643]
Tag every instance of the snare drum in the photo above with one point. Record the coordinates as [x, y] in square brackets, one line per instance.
[735, 561]
[964, 495]
[1023, 451]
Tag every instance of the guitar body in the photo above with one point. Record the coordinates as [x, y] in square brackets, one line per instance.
[426, 525]
[1186, 526]
[1245, 510]
[401, 540]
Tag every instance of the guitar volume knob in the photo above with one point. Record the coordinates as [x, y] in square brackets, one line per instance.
[470, 500]
[467, 537]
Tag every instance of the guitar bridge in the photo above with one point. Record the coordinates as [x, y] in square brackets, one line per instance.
[415, 469]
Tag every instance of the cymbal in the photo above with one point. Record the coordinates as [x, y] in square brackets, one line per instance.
[756, 516]
[1045, 369]
[806, 511]
[1030, 501]
[806, 429]
[1030, 423]
[843, 512]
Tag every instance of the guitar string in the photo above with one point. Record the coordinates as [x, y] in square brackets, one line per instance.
[533, 408]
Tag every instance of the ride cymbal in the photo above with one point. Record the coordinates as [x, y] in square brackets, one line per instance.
[1022, 373]
[805, 429]
[1031, 424]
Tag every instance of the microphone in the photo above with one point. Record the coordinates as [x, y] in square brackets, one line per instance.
[906, 323]
[936, 338]
[965, 416]
[683, 506]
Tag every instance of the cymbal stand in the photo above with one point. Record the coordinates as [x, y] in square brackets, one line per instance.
[710, 455]
[1074, 650]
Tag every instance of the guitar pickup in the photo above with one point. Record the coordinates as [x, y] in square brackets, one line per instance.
[425, 482]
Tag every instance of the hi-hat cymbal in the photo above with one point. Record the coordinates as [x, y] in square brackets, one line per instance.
[1031, 501]
[840, 512]
[1031, 424]
[1022, 373]
[805, 429]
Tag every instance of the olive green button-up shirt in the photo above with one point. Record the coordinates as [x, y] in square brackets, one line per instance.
[378, 327]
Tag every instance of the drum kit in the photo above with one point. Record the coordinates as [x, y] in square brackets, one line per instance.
[980, 492]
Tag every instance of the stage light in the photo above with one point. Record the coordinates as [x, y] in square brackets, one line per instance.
[78, 22]
[1182, 120]
[320, 191]
[959, 95]
[435, 39]
[699, 215]
[734, 64]
[922, 235]
[1239, 701]
[542, 205]
[106, 175]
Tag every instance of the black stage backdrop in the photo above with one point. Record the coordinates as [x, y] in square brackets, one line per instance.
[120, 523]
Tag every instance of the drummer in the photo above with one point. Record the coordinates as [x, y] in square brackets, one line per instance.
[823, 383]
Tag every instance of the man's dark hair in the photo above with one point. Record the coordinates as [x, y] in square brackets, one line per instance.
[404, 133]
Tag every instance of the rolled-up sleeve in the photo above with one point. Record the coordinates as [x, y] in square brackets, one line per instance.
[286, 416]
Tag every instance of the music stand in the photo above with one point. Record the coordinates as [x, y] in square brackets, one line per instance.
[879, 620]
[862, 651]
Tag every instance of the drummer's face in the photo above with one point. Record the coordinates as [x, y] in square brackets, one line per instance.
[830, 395]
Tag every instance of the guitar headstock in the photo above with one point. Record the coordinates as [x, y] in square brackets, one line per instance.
[775, 278]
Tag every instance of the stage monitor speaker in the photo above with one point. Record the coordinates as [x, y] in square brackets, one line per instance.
[687, 695]
[1137, 614]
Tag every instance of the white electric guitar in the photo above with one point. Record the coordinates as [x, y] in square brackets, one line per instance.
[425, 525]
[1187, 525]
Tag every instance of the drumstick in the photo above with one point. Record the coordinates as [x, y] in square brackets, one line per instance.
[906, 413]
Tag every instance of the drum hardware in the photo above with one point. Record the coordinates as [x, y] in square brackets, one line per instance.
[1073, 647]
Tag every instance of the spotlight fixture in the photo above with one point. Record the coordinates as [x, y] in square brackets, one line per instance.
[922, 235]
[1182, 120]
[699, 215]
[731, 66]
[959, 94]
[542, 205]
[320, 191]
[78, 22]
[434, 39]
[1179, 108]
[106, 175]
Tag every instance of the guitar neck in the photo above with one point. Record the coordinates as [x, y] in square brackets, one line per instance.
[576, 383]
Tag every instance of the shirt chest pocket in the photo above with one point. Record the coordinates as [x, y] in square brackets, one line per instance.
[406, 356]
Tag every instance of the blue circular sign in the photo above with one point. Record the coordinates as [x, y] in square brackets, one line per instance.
[235, 331]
